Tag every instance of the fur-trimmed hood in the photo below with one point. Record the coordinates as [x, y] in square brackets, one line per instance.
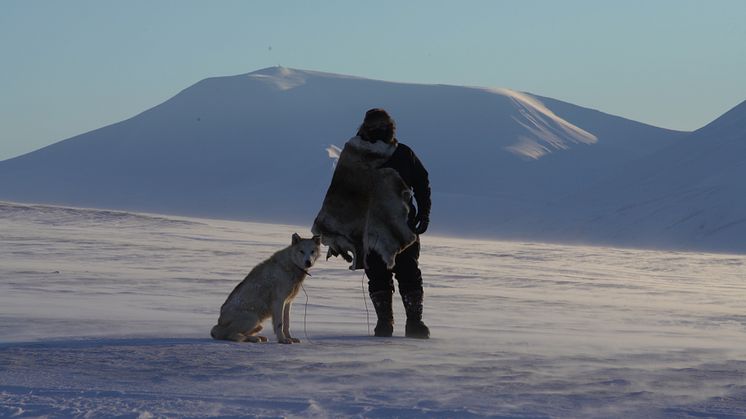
[366, 206]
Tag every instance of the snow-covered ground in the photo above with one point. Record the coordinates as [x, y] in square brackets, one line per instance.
[108, 314]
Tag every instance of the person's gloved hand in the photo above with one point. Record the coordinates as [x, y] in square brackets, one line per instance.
[420, 225]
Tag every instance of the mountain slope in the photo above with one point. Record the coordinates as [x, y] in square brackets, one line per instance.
[688, 195]
[253, 146]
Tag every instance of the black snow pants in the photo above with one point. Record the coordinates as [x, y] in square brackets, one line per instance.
[406, 270]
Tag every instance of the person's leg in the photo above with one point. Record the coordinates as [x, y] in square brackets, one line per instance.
[381, 289]
[409, 277]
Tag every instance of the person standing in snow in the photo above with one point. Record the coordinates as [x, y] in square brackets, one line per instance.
[377, 205]
[379, 126]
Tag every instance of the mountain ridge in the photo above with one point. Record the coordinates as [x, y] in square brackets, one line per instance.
[687, 195]
[254, 146]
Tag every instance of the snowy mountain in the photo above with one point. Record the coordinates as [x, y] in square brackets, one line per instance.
[254, 146]
[689, 195]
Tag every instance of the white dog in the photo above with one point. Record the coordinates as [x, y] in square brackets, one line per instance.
[268, 290]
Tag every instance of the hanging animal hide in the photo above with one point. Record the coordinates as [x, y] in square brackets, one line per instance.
[366, 206]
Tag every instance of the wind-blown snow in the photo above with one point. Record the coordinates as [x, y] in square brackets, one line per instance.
[549, 132]
[106, 313]
[282, 78]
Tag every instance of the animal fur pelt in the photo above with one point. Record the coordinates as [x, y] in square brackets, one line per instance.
[366, 206]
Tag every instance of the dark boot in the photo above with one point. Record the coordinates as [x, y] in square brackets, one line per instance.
[382, 303]
[415, 328]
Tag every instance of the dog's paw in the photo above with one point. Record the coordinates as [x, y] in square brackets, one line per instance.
[295, 340]
[252, 339]
[288, 340]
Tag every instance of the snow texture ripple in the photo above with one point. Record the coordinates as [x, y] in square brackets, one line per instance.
[107, 314]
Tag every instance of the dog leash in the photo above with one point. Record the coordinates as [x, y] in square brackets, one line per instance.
[305, 314]
[305, 309]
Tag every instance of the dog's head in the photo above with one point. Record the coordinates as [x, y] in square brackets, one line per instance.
[305, 251]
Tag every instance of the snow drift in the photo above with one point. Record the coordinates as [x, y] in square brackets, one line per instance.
[108, 314]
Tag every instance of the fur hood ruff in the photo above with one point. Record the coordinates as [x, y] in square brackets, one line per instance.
[366, 206]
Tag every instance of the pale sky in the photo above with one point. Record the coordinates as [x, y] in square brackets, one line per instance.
[68, 67]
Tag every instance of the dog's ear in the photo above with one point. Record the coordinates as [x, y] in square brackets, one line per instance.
[296, 238]
[317, 240]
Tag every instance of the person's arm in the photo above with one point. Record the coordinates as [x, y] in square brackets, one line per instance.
[421, 188]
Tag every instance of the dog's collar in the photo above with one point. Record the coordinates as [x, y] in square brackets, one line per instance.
[305, 271]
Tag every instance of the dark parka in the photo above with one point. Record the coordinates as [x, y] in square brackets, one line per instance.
[414, 174]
